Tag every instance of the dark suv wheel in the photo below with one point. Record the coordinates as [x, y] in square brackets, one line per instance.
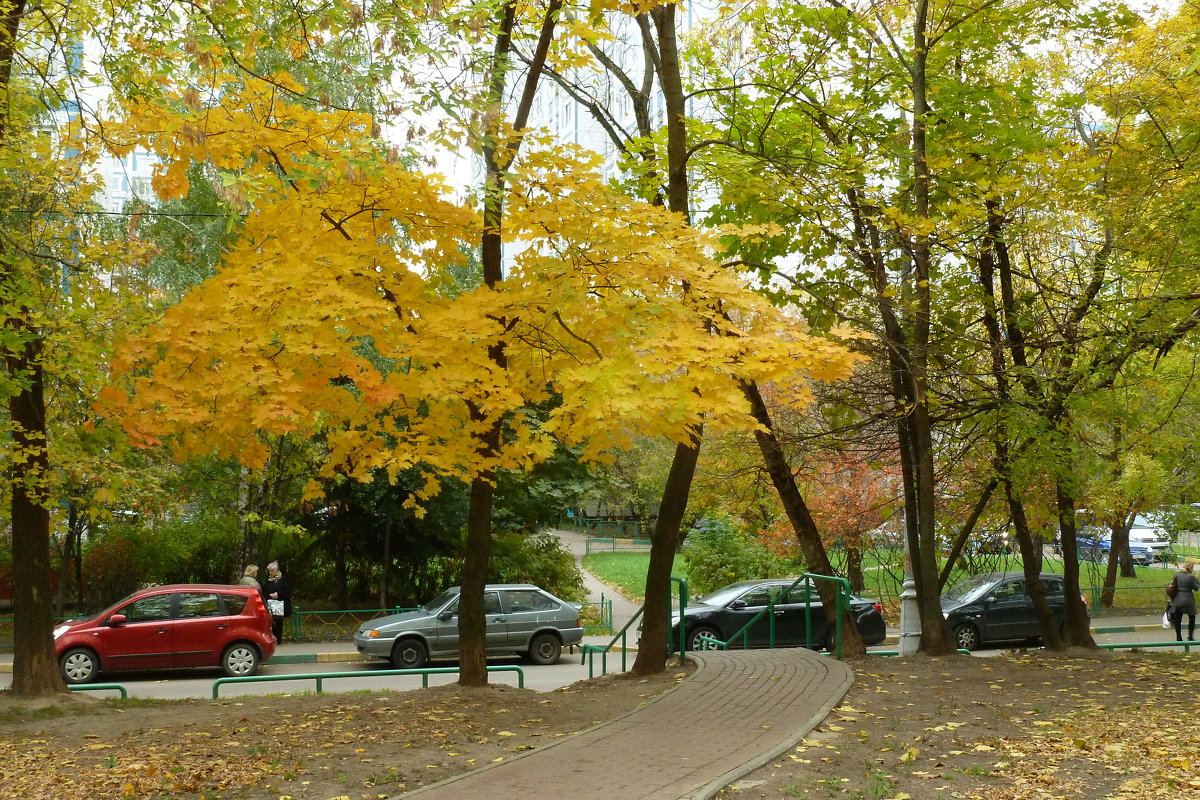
[966, 637]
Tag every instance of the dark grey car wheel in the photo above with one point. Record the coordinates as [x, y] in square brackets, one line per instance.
[240, 660]
[693, 639]
[409, 654]
[79, 665]
[545, 649]
[966, 637]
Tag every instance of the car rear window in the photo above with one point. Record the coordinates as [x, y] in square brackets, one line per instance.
[1053, 588]
[528, 600]
[235, 603]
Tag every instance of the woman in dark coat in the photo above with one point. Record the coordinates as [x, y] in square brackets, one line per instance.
[1184, 601]
[278, 588]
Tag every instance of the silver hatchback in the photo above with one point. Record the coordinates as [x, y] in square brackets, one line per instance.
[520, 619]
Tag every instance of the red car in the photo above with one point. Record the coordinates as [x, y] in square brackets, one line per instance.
[184, 625]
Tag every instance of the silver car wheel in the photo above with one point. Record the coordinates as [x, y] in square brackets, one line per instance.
[78, 666]
[966, 637]
[409, 654]
[240, 660]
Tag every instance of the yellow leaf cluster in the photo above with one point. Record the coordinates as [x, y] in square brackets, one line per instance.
[327, 316]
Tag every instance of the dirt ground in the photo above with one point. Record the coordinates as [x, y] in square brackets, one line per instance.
[306, 747]
[1077, 726]
[1023, 725]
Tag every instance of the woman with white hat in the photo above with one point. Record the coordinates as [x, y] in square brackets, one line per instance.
[278, 588]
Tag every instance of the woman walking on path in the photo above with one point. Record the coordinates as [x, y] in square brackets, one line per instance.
[1184, 601]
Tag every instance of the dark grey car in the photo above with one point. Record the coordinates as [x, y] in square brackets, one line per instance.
[520, 619]
[724, 612]
[996, 607]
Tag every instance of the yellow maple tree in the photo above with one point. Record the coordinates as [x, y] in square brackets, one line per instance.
[330, 315]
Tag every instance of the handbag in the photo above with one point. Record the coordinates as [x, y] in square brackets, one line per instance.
[275, 607]
[1172, 588]
[1167, 618]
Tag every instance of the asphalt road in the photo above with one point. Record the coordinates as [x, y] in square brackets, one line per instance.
[198, 683]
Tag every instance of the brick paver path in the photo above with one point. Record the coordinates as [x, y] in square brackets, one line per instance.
[738, 710]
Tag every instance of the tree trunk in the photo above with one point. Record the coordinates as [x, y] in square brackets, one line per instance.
[935, 639]
[656, 611]
[388, 526]
[498, 153]
[802, 522]
[652, 647]
[1078, 630]
[472, 663]
[341, 577]
[1031, 557]
[35, 669]
[854, 569]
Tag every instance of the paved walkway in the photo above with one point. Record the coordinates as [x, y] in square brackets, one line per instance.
[736, 712]
[623, 610]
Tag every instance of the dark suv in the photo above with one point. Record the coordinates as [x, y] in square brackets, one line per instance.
[183, 625]
[996, 606]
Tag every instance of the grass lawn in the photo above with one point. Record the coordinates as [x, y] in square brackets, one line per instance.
[626, 571]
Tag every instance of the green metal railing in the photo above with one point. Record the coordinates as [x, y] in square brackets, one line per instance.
[97, 687]
[320, 625]
[321, 677]
[1187, 646]
[588, 651]
[610, 535]
[617, 528]
[605, 624]
[611, 544]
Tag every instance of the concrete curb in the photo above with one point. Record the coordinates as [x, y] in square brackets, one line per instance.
[1125, 628]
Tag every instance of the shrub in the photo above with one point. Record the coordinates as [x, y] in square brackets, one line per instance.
[717, 552]
[536, 558]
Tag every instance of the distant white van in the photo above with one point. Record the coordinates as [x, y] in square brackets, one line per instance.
[1145, 535]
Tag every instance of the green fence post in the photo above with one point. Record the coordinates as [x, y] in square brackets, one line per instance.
[683, 600]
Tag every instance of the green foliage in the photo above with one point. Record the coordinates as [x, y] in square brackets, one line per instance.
[540, 559]
[538, 497]
[188, 235]
[125, 556]
[718, 552]
[632, 483]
